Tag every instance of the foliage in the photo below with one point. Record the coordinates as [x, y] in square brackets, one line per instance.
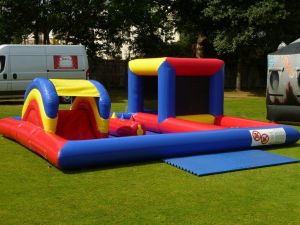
[15, 22]
[233, 27]
[247, 24]
[81, 22]
[102, 26]
[288, 30]
[145, 25]
[242, 31]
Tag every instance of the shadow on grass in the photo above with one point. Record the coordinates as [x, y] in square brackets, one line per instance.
[289, 147]
[21, 102]
[86, 169]
[117, 94]
[11, 101]
[246, 93]
[109, 167]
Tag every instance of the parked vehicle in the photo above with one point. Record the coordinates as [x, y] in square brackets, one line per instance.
[20, 64]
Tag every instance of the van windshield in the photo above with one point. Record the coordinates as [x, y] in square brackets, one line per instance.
[2, 63]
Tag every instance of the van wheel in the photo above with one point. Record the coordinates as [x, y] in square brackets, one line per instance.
[65, 99]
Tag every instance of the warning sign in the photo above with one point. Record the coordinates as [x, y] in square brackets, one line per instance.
[65, 62]
[268, 136]
[256, 135]
[264, 139]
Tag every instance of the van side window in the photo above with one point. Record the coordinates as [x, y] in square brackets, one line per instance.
[2, 63]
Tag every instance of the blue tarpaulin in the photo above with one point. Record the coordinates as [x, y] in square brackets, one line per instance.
[201, 165]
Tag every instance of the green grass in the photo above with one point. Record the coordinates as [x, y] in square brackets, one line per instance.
[33, 192]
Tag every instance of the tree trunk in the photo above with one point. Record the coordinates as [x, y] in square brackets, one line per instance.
[36, 37]
[238, 75]
[203, 47]
[200, 49]
[46, 38]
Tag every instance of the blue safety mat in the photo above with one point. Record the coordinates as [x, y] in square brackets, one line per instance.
[201, 165]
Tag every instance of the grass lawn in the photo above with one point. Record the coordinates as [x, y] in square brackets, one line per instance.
[33, 192]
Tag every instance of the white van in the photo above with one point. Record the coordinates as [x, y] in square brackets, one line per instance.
[20, 64]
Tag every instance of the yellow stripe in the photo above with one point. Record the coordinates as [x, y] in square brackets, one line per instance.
[203, 118]
[75, 88]
[102, 123]
[48, 123]
[146, 67]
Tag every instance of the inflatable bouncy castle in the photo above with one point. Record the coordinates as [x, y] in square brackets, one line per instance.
[187, 125]
[283, 84]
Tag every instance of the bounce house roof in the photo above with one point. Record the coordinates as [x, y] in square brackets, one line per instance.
[83, 88]
[293, 48]
[181, 66]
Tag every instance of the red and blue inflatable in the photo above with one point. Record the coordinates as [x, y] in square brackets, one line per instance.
[88, 135]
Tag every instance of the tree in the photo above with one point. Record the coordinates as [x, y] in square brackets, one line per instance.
[288, 30]
[41, 20]
[19, 18]
[243, 29]
[145, 25]
[16, 18]
[81, 22]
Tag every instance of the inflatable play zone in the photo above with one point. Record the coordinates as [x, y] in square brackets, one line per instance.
[283, 84]
[185, 126]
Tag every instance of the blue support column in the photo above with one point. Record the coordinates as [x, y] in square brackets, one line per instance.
[104, 102]
[135, 93]
[166, 92]
[216, 93]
